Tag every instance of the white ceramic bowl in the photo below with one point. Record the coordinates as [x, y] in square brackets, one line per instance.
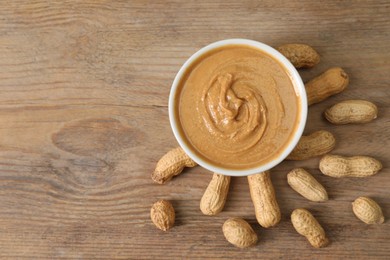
[300, 88]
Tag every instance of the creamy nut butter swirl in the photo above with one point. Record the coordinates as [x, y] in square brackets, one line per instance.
[237, 107]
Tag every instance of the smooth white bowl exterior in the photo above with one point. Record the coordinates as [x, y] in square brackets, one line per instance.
[290, 69]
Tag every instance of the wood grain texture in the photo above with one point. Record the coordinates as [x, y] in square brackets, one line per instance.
[83, 121]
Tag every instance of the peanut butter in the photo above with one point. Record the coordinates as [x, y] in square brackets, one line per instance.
[238, 107]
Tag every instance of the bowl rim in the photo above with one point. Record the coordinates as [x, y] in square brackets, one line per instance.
[291, 71]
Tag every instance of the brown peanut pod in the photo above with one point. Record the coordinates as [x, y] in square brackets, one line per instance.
[306, 225]
[368, 211]
[300, 55]
[214, 197]
[171, 164]
[263, 197]
[305, 184]
[356, 166]
[351, 112]
[329, 83]
[162, 214]
[239, 233]
[312, 145]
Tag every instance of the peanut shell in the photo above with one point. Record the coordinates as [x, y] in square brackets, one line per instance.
[329, 83]
[305, 184]
[368, 211]
[312, 145]
[171, 164]
[356, 166]
[214, 197]
[306, 225]
[263, 197]
[300, 55]
[239, 233]
[162, 214]
[351, 112]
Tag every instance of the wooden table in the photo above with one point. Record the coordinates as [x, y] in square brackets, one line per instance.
[83, 115]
